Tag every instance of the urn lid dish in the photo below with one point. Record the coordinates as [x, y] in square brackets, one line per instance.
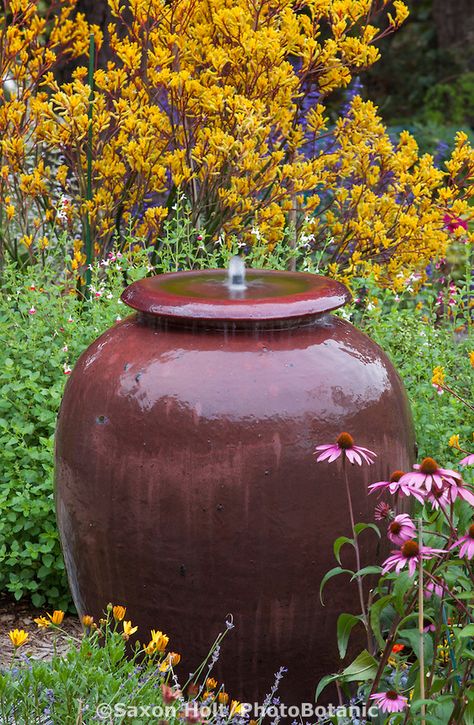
[266, 295]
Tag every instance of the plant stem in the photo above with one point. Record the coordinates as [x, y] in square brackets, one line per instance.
[89, 249]
[421, 621]
[357, 552]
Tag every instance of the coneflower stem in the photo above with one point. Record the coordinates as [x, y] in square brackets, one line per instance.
[421, 621]
[356, 549]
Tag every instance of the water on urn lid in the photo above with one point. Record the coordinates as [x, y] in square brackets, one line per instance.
[236, 294]
[236, 274]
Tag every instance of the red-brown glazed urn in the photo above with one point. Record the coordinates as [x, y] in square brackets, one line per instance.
[186, 483]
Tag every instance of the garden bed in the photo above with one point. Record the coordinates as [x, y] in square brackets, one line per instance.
[41, 644]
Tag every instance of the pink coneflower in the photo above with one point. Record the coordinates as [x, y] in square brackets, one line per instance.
[467, 543]
[458, 488]
[468, 461]
[428, 473]
[439, 497]
[401, 529]
[382, 511]
[345, 445]
[433, 588]
[396, 485]
[390, 701]
[409, 554]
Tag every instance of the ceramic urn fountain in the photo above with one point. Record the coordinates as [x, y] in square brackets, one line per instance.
[186, 484]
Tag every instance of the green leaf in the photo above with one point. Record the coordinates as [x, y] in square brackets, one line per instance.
[375, 613]
[467, 631]
[362, 669]
[329, 575]
[367, 570]
[358, 528]
[345, 623]
[324, 682]
[414, 640]
[403, 582]
[339, 543]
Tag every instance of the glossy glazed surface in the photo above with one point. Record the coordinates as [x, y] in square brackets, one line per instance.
[187, 488]
[206, 295]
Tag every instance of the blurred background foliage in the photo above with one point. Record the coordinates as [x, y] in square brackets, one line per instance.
[425, 77]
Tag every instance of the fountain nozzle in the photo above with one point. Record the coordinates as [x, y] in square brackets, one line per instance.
[236, 274]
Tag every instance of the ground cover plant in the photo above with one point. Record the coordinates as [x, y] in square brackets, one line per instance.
[218, 129]
[98, 681]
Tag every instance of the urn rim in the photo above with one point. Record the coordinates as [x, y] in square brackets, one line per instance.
[202, 295]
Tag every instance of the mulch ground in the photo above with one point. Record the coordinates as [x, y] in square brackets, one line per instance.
[41, 643]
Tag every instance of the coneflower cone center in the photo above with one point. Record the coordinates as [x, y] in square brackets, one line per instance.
[345, 441]
[395, 527]
[428, 465]
[471, 531]
[410, 549]
[391, 695]
[396, 476]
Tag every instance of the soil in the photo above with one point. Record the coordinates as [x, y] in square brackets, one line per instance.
[42, 642]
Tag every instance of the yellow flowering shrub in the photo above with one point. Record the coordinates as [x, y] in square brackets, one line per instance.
[224, 101]
[32, 43]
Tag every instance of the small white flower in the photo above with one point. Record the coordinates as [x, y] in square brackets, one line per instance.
[31, 311]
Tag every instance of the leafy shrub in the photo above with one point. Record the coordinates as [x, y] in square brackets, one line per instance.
[41, 332]
[451, 102]
[233, 116]
[407, 327]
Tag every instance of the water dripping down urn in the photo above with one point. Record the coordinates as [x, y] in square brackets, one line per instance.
[186, 485]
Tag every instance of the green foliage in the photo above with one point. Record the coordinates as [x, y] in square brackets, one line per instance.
[451, 102]
[42, 331]
[417, 340]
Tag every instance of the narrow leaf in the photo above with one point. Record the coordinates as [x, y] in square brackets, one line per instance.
[358, 528]
[345, 623]
[329, 575]
[367, 570]
[340, 543]
[376, 610]
[413, 638]
[324, 682]
[363, 668]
